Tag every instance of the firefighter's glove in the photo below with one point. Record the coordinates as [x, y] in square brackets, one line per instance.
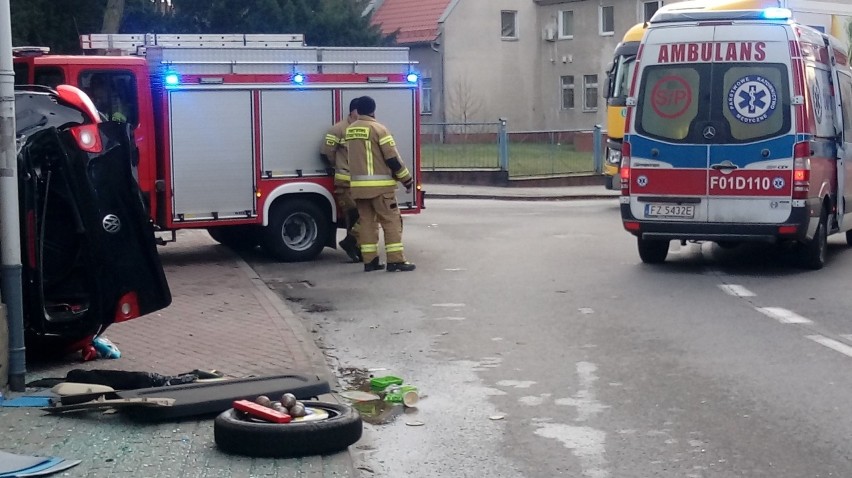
[408, 184]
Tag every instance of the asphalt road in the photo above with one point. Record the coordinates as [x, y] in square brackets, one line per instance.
[543, 347]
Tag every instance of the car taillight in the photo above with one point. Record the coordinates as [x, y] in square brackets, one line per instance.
[801, 170]
[625, 169]
[127, 308]
[88, 137]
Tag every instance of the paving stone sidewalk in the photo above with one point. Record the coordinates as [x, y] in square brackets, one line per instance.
[222, 317]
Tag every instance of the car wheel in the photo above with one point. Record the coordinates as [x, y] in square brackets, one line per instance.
[813, 253]
[239, 238]
[237, 434]
[297, 231]
[653, 251]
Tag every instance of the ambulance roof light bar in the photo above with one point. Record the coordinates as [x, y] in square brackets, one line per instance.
[772, 13]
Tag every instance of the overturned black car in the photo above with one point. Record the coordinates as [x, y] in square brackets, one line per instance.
[88, 250]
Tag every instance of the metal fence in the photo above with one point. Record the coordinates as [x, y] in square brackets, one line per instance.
[491, 146]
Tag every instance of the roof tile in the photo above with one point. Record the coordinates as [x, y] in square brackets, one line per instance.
[416, 20]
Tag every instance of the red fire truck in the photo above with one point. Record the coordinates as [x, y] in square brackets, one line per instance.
[228, 127]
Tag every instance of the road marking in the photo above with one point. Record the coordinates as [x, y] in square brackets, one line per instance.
[736, 290]
[783, 315]
[450, 318]
[832, 344]
[448, 305]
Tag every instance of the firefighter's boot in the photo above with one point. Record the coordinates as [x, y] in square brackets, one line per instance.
[350, 247]
[400, 267]
[373, 265]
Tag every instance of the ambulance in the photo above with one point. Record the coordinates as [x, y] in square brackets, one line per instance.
[739, 129]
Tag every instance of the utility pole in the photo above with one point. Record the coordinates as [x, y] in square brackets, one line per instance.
[10, 227]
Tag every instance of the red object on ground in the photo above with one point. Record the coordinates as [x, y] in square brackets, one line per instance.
[89, 353]
[261, 412]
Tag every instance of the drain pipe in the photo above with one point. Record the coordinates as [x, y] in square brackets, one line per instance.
[10, 226]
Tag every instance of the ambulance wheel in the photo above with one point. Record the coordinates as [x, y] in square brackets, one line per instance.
[849, 237]
[653, 251]
[234, 433]
[297, 230]
[813, 253]
[239, 238]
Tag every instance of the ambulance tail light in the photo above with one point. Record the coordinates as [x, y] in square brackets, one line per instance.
[801, 170]
[624, 171]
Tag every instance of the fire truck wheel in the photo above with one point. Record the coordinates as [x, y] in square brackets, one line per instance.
[297, 231]
[233, 433]
[814, 252]
[239, 238]
[653, 251]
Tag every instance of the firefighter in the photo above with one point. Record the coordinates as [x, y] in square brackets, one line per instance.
[333, 153]
[106, 99]
[375, 166]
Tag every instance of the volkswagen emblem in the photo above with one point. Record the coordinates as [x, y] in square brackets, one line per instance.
[111, 223]
[709, 132]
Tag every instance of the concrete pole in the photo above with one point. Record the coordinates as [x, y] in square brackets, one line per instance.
[10, 227]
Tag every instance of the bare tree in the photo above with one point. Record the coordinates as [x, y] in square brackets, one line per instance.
[112, 16]
[464, 105]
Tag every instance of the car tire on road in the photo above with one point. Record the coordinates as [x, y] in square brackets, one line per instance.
[237, 435]
[653, 251]
[813, 253]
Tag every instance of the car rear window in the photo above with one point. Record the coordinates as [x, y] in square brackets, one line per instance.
[744, 103]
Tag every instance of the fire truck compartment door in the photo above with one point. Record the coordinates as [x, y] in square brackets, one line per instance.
[212, 154]
[395, 108]
[294, 123]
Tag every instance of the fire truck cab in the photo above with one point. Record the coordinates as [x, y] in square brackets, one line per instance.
[228, 127]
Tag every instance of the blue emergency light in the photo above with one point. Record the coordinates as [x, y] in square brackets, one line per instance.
[298, 78]
[172, 79]
[775, 13]
[412, 77]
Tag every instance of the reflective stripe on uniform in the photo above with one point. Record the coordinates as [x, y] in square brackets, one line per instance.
[402, 173]
[368, 248]
[331, 140]
[369, 146]
[341, 176]
[372, 183]
[387, 140]
[393, 247]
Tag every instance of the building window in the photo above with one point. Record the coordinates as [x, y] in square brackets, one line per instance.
[566, 24]
[567, 92]
[426, 96]
[509, 21]
[590, 92]
[607, 20]
[649, 9]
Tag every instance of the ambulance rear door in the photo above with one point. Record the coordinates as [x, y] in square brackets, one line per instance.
[669, 155]
[751, 145]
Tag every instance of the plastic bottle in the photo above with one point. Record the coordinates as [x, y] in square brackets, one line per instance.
[105, 348]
